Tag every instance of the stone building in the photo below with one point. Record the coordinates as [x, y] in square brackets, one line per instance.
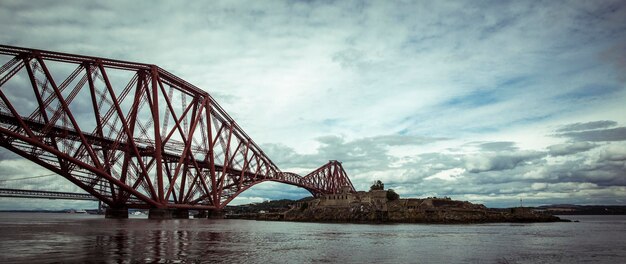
[345, 198]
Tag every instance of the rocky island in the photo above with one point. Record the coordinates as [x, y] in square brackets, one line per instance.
[385, 206]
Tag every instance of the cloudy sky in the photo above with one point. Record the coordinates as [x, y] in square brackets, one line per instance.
[486, 101]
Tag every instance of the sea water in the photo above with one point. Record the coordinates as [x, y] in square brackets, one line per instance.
[79, 238]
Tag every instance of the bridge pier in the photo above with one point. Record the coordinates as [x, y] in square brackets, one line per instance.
[215, 214]
[116, 213]
[160, 213]
[180, 214]
[166, 213]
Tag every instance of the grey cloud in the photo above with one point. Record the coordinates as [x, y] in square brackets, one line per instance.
[287, 158]
[613, 134]
[616, 55]
[498, 146]
[7, 155]
[350, 58]
[398, 140]
[505, 173]
[570, 148]
[500, 161]
[330, 140]
[359, 155]
[613, 153]
[224, 98]
[424, 165]
[601, 173]
[367, 154]
[587, 174]
[602, 166]
[587, 126]
[23, 174]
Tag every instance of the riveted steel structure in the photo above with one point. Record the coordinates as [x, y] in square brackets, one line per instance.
[133, 135]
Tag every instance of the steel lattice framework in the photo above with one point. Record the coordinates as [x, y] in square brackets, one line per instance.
[133, 135]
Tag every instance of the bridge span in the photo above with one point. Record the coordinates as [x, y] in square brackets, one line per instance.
[19, 193]
[134, 135]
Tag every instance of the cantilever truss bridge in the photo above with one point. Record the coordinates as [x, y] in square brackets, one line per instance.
[133, 135]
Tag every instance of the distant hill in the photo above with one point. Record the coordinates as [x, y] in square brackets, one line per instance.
[572, 209]
[267, 206]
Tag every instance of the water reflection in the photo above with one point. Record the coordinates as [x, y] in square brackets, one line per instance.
[158, 242]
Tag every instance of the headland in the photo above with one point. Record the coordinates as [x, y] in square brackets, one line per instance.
[385, 206]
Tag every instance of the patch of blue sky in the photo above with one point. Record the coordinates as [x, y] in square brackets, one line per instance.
[404, 131]
[590, 91]
[530, 119]
[478, 129]
[482, 97]
[526, 120]
[417, 43]
[330, 121]
[514, 82]
[482, 129]
[474, 99]
[502, 24]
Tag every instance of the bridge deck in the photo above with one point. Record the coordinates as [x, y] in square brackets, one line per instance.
[17, 193]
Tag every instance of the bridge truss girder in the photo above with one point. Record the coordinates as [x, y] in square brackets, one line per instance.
[132, 134]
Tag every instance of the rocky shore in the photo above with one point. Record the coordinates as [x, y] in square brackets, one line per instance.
[432, 210]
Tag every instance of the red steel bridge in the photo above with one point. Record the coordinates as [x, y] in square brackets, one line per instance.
[134, 135]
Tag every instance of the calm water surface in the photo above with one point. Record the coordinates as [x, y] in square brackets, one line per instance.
[67, 238]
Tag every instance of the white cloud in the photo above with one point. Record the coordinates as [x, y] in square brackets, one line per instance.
[247, 200]
[447, 175]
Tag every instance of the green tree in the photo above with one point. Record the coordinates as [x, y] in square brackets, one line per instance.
[378, 185]
[392, 195]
